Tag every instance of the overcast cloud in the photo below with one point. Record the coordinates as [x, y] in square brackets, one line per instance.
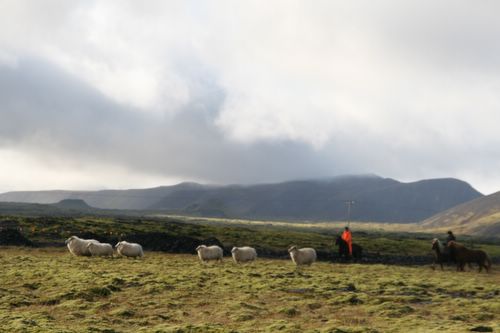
[124, 94]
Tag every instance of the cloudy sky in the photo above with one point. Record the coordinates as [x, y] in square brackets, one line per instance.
[128, 94]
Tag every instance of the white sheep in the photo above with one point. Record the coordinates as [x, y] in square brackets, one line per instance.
[207, 253]
[129, 249]
[101, 249]
[304, 256]
[243, 254]
[78, 246]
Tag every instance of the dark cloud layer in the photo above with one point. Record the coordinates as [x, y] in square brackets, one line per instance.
[243, 92]
[46, 111]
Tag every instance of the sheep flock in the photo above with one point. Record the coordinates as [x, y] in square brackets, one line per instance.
[91, 247]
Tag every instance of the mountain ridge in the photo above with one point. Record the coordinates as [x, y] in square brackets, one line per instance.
[376, 198]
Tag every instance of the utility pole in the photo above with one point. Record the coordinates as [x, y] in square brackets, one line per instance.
[349, 204]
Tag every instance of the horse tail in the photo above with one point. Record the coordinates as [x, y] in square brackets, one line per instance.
[488, 262]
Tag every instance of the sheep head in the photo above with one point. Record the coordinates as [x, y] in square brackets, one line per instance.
[200, 247]
[67, 241]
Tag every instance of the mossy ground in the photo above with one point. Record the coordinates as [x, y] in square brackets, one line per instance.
[48, 290]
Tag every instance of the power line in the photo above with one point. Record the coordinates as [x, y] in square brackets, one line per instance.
[349, 204]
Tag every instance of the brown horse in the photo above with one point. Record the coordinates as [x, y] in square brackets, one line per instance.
[463, 255]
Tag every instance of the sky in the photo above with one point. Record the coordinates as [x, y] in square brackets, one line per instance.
[133, 94]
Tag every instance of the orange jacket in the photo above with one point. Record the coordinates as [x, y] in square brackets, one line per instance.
[347, 237]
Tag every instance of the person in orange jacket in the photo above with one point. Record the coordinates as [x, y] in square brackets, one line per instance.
[347, 237]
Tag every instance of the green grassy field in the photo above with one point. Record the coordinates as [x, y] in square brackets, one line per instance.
[48, 290]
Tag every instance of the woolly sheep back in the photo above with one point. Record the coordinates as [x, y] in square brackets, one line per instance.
[78, 246]
[206, 253]
[243, 254]
[303, 256]
[101, 249]
[127, 249]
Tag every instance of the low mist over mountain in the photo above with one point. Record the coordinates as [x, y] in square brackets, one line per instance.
[376, 199]
[477, 217]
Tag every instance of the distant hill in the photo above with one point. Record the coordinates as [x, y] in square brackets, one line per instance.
[376, 199]
[107, 199]
[33, 209]
[63, 208]
[477, 217]
[77, 204]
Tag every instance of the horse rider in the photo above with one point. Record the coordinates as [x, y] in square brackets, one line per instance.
[446, 249]
[347, 237]
[450, 237]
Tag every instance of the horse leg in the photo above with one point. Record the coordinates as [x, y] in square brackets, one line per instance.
[482, 264]
[440, 262]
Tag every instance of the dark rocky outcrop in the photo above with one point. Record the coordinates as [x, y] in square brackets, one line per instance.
[13, 237]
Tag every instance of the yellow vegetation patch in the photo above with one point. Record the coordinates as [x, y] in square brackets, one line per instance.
[48, 290]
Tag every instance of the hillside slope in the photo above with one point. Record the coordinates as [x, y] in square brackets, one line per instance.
[66, 207]
[376, 199]
[477, 217]
[105, 199]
